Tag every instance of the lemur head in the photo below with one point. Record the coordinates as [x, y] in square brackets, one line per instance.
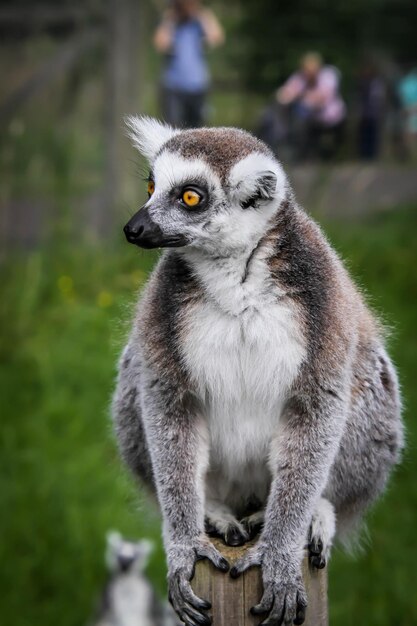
[214, 189]
[123, 556]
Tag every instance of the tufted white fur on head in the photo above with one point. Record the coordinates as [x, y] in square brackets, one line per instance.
[170, 169]
[148, 134]
[258, 172]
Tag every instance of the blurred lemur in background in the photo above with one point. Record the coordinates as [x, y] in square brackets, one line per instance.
[255, 391]
[128, 598]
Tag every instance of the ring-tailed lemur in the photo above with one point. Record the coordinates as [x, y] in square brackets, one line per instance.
[129, 598]
[255, 389]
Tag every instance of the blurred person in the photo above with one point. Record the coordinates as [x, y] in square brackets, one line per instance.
[318, 111]
[393, 134]
[372, 104]
[185, 30]
[273, 126]
[407, 90]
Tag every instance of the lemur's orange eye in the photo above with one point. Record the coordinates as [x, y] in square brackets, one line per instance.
[151, 187]
[191, 198]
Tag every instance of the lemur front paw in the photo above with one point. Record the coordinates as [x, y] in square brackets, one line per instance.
[284, 597]
[231, 531]
[181, 559]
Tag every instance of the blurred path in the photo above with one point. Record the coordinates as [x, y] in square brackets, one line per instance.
[353, 189]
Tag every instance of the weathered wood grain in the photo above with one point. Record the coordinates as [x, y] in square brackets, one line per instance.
[232, 599]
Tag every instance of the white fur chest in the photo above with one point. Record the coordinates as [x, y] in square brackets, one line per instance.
[243, 348]
[132, 601]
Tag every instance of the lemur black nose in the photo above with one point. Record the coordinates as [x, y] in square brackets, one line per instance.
[125, 563]
[142, 231]
[132, 233]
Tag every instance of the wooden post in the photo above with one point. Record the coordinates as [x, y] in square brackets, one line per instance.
[232, 599]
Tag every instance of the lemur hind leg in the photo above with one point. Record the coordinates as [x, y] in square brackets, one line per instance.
[220, 522]
[127, 419]
[321, 533]
[370, 447]
[253, 523]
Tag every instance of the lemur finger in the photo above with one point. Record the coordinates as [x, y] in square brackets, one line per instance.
[235, 537]
[185, 619]
[252, 528]
[251, 559]
[199, 618]
[175, 596]
[265, 604]
[277, 612]
[301, 609]
[190, 597]
[290, 607]
[185, 612]
[208, 551]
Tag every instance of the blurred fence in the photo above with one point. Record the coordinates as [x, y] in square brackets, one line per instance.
[109, 32]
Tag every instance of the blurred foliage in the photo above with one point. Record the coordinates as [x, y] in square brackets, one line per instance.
[64, 315]
[61, 484]
[376, 586]
[276, 34]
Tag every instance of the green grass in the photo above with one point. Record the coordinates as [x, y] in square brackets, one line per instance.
[63, 318]
[377, 587]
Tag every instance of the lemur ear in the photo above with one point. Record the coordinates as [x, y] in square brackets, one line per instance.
[145, 549]
[257, 186]
[113, 538]
[148, 135]
[113, 541]
[265, 185]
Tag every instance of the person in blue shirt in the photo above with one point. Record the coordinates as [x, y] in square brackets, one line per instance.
[182, 36]
[407, 89]
[372, 106]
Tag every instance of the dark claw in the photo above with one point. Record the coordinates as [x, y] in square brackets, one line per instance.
[205, 605]
[234, 537]
[274, 620]
[315, 549]
[300, 614]
[319, 562]
[223, 565]
[234, 573]
[257, 610]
